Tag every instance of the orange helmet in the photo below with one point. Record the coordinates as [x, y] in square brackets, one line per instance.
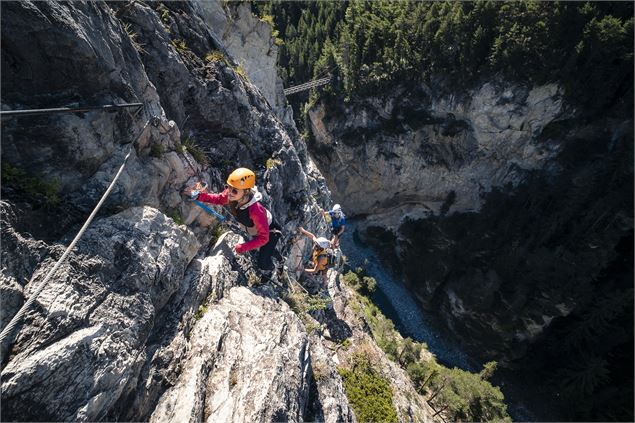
[242, 178]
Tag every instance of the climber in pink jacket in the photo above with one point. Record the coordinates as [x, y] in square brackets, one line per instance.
[243, 199]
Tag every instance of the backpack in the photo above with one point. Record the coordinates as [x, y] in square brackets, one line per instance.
[332, 258]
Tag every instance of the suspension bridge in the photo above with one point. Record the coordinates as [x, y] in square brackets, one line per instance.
[307, 85]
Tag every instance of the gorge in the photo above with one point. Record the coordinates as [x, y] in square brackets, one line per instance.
[496, 189]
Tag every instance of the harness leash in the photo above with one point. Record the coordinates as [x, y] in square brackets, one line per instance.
[232, 225]
[209, 210]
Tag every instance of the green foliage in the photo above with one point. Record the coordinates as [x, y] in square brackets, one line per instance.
[583, 376]
[218, 231]
[369, 284]
[253, 279]
[296, 301]
[371, 46]
[176, 216]
[305, 27]
[133, 38]
[382, 328]
[369, 394]
[598, 319]
[197, 153]
[201, 311]
[216, 56]
[12, 175]
[488, 370]
[34, 187]
[360, 282]
[312, 327]
[180, 148]
[274, 32]
[316, 302]
[410, 352]
[241, 72]
[302, 303]
[157, 150]
[271, 163]
[351, 279]
[179, 45]
[346, 343]
[467, 396]
[463, 396]
[593, 379]
[268, 19]
[420, 374]
[164, 16]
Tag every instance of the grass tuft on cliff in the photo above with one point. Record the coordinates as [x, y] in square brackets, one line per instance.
[370, 395]
[46, 191]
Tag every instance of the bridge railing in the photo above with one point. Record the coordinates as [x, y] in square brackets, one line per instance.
[307, 85]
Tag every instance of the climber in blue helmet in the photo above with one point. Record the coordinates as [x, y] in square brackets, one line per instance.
[338, 224]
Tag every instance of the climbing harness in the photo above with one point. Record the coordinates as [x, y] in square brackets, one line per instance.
[16, 318]
[248, 178]
[334, 255]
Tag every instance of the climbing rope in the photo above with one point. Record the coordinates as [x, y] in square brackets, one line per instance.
[58, 110]
[16, 319]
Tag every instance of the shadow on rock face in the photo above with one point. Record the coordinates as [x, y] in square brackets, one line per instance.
[338, 328]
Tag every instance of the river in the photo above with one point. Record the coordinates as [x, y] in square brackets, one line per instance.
[395, 301]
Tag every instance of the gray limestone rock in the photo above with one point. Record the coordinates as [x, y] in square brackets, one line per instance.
[248, 361]
[333, 405]
[248, 40]
[90, 323]
[383, 156]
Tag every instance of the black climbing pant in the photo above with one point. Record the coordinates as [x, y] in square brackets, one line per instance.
[269, 251]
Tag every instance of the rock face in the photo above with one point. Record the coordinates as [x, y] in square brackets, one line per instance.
[410, 406]
[75, 148]
[161, 54]
[92, 321]
[248, 39]
[149, 319]
[428, 149]
[248, 361]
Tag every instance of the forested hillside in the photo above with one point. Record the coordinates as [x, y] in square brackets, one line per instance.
[588, 47]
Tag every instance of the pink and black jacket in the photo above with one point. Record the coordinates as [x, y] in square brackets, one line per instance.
[256, 219]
